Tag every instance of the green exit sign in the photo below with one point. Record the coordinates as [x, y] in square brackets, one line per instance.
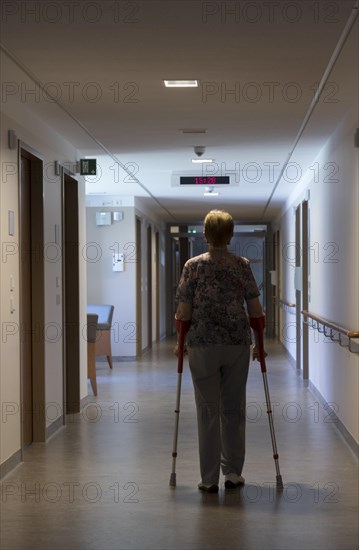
[88, 167]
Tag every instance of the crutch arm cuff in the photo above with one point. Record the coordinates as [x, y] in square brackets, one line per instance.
[182, 326]
[257, 323]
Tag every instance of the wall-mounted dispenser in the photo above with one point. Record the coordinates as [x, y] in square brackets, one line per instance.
[117, 262]
[103, 218]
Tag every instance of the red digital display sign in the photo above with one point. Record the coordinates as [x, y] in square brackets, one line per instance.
[204, 180]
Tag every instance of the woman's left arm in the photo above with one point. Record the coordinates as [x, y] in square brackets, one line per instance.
[184, 311]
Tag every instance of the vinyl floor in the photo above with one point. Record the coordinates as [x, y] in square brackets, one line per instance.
[102, 481]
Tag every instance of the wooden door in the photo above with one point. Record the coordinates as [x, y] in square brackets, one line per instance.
[158, 263]
[138, 289]
[298, 294]
[71, 295]
[32, 298]
[149, 287]
[26, 302]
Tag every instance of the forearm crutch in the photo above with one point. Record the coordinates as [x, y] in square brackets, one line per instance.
[258, 324]
[182, 328]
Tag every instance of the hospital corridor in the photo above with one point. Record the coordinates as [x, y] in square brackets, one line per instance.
[179, 189]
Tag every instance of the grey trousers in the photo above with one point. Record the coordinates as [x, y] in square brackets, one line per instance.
[219, 375]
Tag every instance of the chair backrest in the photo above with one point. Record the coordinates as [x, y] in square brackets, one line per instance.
[92, 319]
[105, 314]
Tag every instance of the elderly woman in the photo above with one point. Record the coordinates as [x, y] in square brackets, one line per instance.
[211, 293]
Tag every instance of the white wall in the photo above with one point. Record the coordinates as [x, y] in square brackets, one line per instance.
[32, 131]
[9, 350]
[335, 275]
[334, 249]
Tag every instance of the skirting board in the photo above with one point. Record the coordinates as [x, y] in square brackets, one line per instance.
[291, 359]
[84, 401]
[54, 426]
[10, 464]
[16, 458]
[354, 446]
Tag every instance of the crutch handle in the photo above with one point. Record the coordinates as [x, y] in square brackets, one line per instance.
[182, 328]
[258, 324]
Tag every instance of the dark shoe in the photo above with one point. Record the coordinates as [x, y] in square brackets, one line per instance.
[208, 488]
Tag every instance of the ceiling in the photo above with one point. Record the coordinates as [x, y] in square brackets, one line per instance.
[257, 64]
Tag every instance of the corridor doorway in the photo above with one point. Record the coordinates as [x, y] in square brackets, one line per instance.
[249, 241]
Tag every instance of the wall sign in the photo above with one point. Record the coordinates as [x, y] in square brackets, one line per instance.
[88, 167]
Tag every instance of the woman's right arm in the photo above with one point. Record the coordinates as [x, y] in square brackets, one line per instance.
[254, 307]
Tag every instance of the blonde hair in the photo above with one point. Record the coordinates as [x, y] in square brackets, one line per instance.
[218, 227]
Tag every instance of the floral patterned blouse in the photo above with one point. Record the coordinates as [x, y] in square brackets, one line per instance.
[216, 284]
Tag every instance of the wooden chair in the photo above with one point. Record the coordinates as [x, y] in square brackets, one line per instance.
[103, 340]
[92, 320]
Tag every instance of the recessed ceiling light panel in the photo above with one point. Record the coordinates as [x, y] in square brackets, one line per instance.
[181, 83]
[195, 161]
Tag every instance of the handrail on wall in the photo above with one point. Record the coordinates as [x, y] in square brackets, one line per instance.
[315, 321]
[284, 304]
